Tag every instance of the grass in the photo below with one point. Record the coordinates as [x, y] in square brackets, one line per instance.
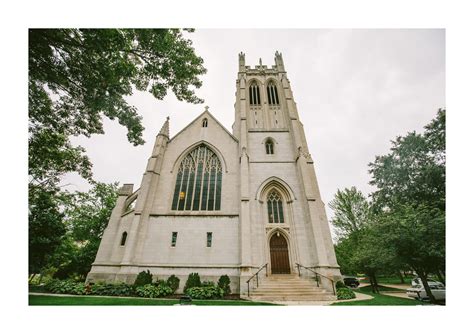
[393, 280]
[96, 300]
[380, 300]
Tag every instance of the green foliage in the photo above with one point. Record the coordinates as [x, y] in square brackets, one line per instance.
[66, 287]
[193, 281]
[205, 292]
[111, 289]
[345, 293]
[45, 227]
[77, 77]
[86, 216]
[143, 278]
[340, 284]
[208, 283]
[417, 236]
[153, 290]
[351, 212]
[173, 283]
[414, 172]
[224, 284]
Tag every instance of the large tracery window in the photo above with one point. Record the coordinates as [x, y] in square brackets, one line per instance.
[199, 180]
[254, 94]
[272, 94]
[275, 208]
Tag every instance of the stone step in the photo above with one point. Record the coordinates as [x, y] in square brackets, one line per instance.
[289, 288]
[293, 298]
[283, 293]
[298, 291]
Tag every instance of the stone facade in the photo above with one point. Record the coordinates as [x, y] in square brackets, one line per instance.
[140, 231]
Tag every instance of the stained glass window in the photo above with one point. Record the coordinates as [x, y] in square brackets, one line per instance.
[198, 182]
[275, 208]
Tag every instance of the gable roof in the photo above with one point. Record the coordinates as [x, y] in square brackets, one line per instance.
[207, 113]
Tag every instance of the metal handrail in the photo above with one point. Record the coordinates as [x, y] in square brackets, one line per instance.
[317, 276]
[256, 274]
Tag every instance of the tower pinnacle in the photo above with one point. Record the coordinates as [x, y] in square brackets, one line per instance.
[165, 129]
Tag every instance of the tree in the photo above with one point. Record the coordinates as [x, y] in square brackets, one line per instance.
[351, 211]
[415, 170]
[417, 236]
[45, 228]
[410, 198]
[86, 217]
[79, 76]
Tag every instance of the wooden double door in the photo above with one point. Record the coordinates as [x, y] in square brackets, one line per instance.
[279, 257]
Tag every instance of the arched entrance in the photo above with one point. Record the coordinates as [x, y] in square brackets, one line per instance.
[279, 258]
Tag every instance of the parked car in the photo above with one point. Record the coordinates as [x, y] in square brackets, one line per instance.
[353, 282]
[417, 281]
[417, 291]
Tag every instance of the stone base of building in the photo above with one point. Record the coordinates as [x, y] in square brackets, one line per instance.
[128, 273]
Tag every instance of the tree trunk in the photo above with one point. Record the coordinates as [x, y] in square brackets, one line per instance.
[371, 283]
[376, 284]
[424, 280]
[402, 279]
[441, 278]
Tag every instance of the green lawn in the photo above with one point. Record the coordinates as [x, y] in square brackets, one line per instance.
[393, 280]
[379, 299]
[96, 300]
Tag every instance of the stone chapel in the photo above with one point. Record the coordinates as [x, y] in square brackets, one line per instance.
[221, 203]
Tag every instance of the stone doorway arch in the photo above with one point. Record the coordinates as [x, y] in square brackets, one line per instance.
[279, 254]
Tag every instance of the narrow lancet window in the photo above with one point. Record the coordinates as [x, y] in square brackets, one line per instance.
[174, 237]
[269, 146]
[124, 239]
[204, 123]
[209, 239]
[272, 94]
[199, 182]
[275, 208]
[254, 94]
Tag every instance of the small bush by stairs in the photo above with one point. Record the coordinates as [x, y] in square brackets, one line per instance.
[289, 288]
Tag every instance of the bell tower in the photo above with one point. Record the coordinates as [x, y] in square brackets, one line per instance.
[273, 147]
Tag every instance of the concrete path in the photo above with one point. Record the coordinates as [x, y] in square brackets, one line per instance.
[359, 296]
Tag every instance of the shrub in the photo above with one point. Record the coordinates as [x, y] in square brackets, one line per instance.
[66, 286]
[224, 284]
[340, 284]
[153, 291]
[143, 278]
[111, 289]
[345, 293]
[207, 283]
[207, 292]
[193, 281]
[173, 283]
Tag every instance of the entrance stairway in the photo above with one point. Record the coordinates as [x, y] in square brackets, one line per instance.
[289, 287]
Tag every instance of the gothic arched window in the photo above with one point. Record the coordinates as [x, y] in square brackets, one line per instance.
[254, 94]
[275, 208]
[272, 94]
[269, 146]
[204, 123]
[124, 239]
[199, 181]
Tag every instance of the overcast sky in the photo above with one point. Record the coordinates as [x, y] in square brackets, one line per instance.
[355, 91]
